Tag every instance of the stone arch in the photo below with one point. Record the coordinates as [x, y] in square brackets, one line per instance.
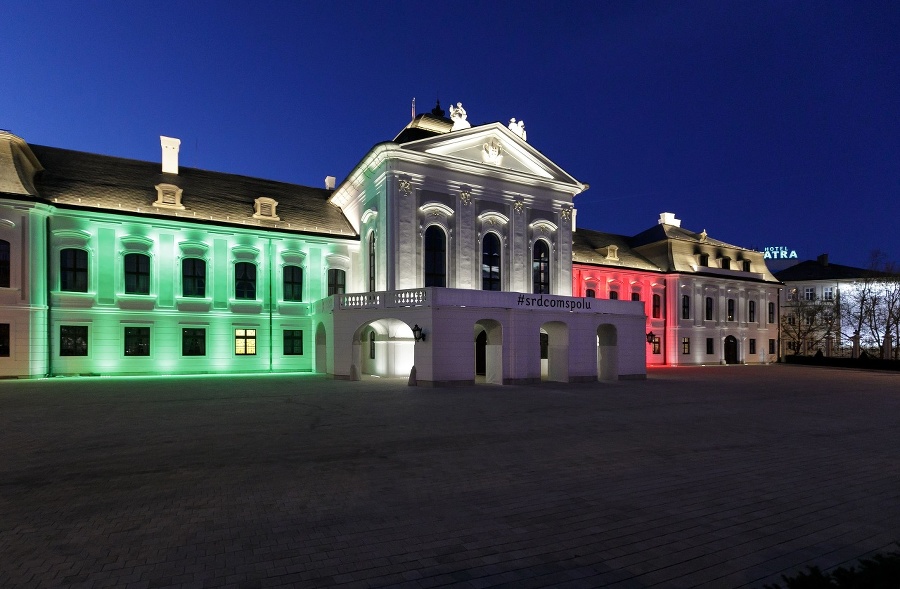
[394, 348]
[321, 349]
[607, 352]
[731, 350]
[557, 350]
[489, 350]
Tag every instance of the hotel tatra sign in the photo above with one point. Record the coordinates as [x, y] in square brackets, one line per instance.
[779, 252]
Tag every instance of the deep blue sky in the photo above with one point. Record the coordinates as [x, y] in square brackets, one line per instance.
[765, 123]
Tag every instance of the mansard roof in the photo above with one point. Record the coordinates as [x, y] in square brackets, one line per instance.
[663, 232]
[86, 180]
[823, 270]
[592, 247]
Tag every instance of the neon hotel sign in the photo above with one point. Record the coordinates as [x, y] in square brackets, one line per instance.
[779, 252]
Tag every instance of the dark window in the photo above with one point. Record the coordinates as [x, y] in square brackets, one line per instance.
[540, 268]
[771, 312]
[293, 342]
[435, 256]
[545, 345]
[193, 341]
[293, 283]
[245, 281]
[704, 259]
[771, 346]
[245, 342]
[490, 262]
[137, 341]
[685, 345]
[752, 346]
[590, 293]
[726, 263]
[635, 296]
[685, 306]
[193, 277]
[371, 345]
[731, 309]
[337, 281]
[73, 340]
[73, 270]
[372, 262]
[613, 295]
[4, 263]
[657, 306]
[137, 274]
[751, 311]
[746, 265]
[4, 340]
[709, 308]
[710, 346]
[655, 345]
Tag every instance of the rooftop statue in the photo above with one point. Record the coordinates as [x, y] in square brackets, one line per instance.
[458, 114]
[518, 128]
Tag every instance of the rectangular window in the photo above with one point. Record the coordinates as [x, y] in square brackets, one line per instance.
[752, 346]
[73, 270]
[4, 263]
[751, 311]
[613, 295]
[685, 345]
[293, 283]
[635, 296]
[137, 341]
[746, 265]
[4, 340]
[710, 346]
[726, 263]
[245, 281]
[704, 260]
[193, 277]
[685, 307]
[73, 340]
[828, 293]
[655, 344]
[771, 312]
[193, 341]
[337, 282]
[809, 293]
[771, 346]
[293, 342]
[245, 342]
[137, 274]
[731, 309]
[709, 309]
[657, 306]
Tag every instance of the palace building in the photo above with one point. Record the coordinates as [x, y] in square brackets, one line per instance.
[446, 256]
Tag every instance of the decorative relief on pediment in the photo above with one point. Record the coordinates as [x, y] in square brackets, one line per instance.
[492, 152]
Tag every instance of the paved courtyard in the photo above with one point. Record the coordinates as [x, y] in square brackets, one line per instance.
[709, 477]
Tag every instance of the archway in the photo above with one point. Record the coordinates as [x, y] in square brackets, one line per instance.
[607, 353]
[731, 350]
[489, 351]
[384, 347]
[556, 351]
[321, 350]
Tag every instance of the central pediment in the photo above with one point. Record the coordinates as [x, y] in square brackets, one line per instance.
[493, 146]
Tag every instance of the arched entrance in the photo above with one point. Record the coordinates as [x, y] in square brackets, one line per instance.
[321, 350]
[731, 350]
[607, 353]
[384, 347]
[556, 351]
[489, 351]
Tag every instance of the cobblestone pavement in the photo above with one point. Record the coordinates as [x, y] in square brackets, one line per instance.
[710, 477]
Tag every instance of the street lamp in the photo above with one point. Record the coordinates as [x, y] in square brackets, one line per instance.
[418, 333]
[650, 337]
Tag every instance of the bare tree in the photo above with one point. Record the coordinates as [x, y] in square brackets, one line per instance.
[870, 307]
[809, 322]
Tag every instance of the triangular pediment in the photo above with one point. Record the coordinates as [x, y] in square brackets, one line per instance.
[492, 145]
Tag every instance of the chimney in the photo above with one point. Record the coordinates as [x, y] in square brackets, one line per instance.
[822, 259]
[669, 219]
[329, 182]
[169, 154]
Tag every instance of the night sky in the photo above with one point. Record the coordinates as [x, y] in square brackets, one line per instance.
[765, 123]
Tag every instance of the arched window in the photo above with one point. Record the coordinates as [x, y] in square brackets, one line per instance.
[245, 281]
[193, 277]
[540, 268]
[137, 274]
[293, 283]
[73, 270]
[590, 293]
[371, 345]
[490, 262]
[337, 281]
[435, 256]
[372, 261]
[4, 263]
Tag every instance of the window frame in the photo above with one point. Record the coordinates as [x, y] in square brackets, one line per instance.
[71, 274]
[245, 341]
[196, 280]
[730, 307]
[685, 306]
[710, 309]
[751, 311]
[5, 263]
[291, 287]
[136, 341]
[139, 275]
[493, 276]
[193, 336]
[434, 264]
[685, 345]
[540, 267]
[292, 340]
[335, 286]
[245, 281]
[656, 306]
[74, 350]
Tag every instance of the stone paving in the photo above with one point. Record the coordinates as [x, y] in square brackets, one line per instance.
[696, 477]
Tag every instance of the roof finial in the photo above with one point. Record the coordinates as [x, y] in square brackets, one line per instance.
[437, 110]
[414, 107]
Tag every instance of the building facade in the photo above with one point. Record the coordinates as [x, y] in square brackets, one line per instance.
[445, 256]
[705, 301]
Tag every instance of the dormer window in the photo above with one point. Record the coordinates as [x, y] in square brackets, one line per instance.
[612, 252]
[168, 196]
[264, 208]
[704, 260]
[726, 263]
[746, 265]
